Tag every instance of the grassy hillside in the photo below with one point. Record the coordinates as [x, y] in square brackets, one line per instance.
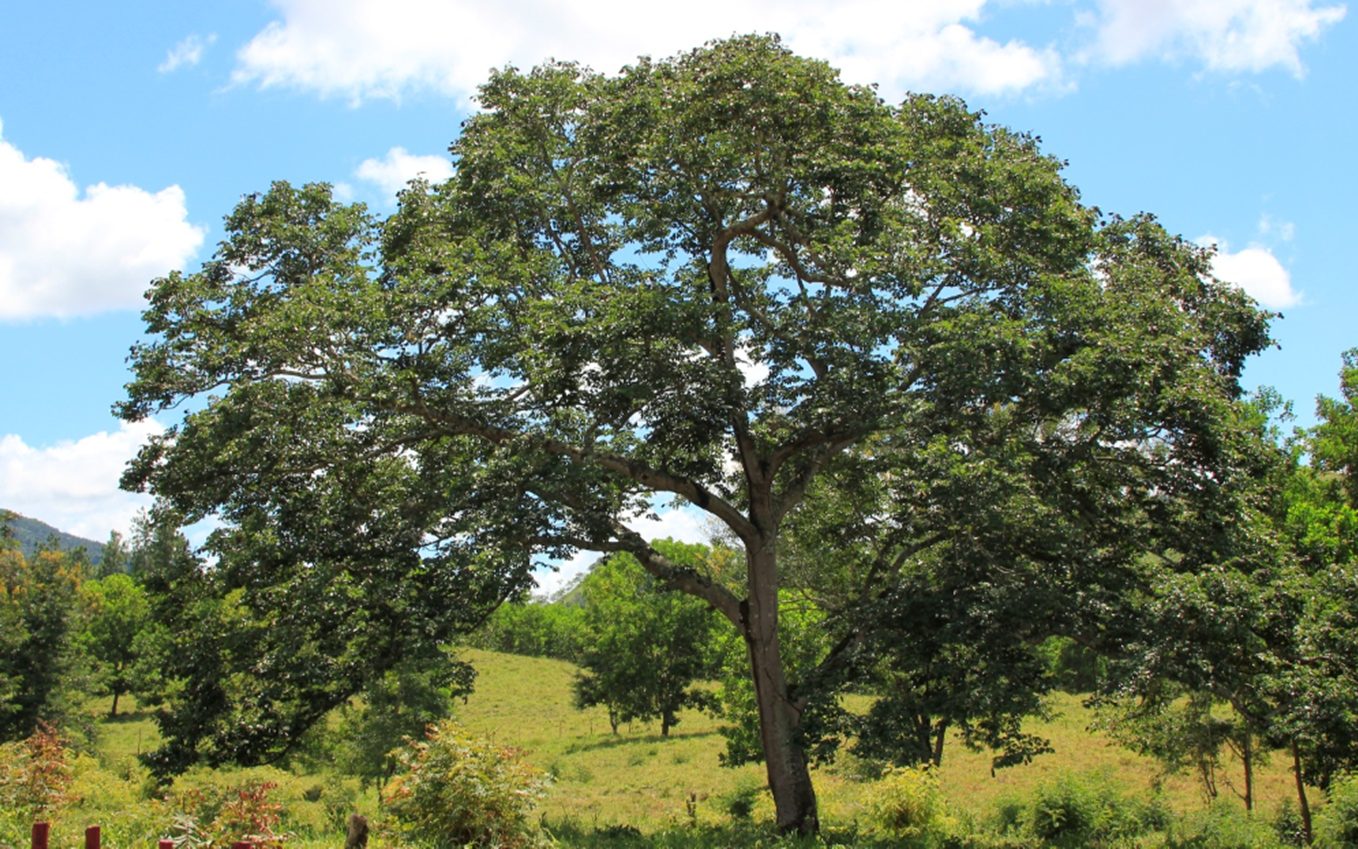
[638, 778]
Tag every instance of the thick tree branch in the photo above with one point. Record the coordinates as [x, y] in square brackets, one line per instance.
[640, 473]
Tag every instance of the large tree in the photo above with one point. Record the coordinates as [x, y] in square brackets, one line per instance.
[711, 279]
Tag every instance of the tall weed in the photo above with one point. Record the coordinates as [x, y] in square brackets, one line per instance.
[908, 804]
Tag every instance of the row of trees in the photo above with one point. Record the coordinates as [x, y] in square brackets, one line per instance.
[1270, 630]
[940, 408]
[70, 631]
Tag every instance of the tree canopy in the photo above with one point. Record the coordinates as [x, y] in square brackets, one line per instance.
[726, 279]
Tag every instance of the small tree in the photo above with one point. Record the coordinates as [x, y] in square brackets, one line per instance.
[114, 611]
[114, 559]
[400, 705]
[645, 646]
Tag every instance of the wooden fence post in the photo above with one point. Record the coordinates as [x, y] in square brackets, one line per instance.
[165, 844]
[92, 837]
[40, 831]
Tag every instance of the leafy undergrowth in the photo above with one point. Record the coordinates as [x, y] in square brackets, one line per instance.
[638, 789]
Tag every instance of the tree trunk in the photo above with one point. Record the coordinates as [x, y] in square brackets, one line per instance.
[1306, 832]
[794, 798]
[924, 741]
[113, 711]
[1247, 758]
[938, 742]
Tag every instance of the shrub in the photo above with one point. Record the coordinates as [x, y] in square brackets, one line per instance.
[1288, 825]
[740, 802]
[1224, 824]
[1084, 810]
[35, 773]
[215, 815]
[908, 803]
[1337, 822]
[461, 790]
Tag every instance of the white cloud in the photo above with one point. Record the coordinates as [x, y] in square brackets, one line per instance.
[361, 49]
[1224, 35]
[187, 52]
[1270, 226]
[74, 485]
[393, 172]
[1256, 270]
[66, 254]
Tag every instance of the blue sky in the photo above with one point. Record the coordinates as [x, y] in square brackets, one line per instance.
[127, 131]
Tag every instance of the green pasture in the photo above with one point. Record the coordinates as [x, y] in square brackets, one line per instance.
[633, 788]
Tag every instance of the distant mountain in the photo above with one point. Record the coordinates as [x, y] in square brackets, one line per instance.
[31, 533]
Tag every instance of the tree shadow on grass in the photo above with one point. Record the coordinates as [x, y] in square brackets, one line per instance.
[612, 742]
[127, 716]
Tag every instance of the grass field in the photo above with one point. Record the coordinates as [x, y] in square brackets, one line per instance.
[607, 784]
[641, 779]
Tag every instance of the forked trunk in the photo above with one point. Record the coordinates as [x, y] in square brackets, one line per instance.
[794, 798]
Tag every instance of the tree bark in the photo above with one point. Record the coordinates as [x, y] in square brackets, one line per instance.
[789, 776]
[1306, 833]
[941, 736]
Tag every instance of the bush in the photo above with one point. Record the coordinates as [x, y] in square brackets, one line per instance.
[533, 629]
[214, 815]
[1288, 825]
[907, 803]
[1225, 824]
[35, 773]
[461, 790]
[308, 807]
[1074, 810]
[1337, 822]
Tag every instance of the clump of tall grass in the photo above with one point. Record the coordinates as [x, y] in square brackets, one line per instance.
[907, 804]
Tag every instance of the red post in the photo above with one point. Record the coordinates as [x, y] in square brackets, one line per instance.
[92, 837]
[40, 830]
[242, 844]
[165, 844]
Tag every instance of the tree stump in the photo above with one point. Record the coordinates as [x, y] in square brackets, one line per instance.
[358, 832]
